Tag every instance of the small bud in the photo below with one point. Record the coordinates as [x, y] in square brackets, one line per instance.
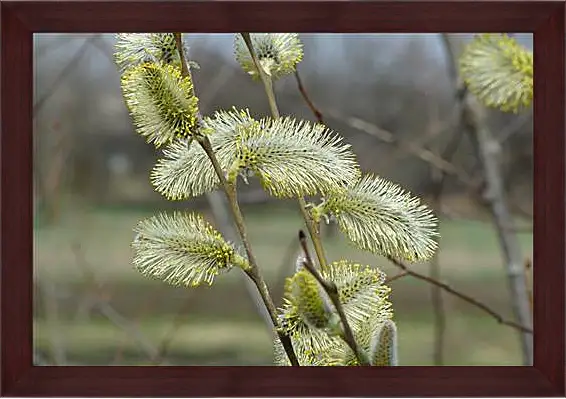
[383, 348]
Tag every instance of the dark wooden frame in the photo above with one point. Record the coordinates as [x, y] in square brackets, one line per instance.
[20, 19]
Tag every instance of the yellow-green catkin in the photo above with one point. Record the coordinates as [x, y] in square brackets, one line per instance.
[311, 305]
[498, 71]
[161, 102]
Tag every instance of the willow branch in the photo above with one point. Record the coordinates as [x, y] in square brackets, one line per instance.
[268, 85]
[408, 272]
[332, 292]
[317, 114]
[230, 191]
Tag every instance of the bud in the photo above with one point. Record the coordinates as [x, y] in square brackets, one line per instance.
[383, 347]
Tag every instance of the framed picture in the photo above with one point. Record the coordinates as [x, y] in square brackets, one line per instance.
[336, 312]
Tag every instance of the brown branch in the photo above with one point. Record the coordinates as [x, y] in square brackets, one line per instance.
[332, 292]
[319, 118]
[317, 114]
[396, 277]
[408, 272]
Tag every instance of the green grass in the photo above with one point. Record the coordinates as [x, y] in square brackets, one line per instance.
[220, 325]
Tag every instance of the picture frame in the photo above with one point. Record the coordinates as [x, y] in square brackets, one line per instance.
[21, 19]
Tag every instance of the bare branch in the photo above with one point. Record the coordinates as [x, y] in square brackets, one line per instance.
[396, 277]
[317, 114]
[319, 117]
[408, 272]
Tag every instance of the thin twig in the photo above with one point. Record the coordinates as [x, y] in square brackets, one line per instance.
[268, 85]
[319, 118]
[408, 272]
[317, 114]
[332, 292]
[230, 191]
[396, 277]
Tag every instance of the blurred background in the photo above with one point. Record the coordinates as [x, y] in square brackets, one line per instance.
[393, 97]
